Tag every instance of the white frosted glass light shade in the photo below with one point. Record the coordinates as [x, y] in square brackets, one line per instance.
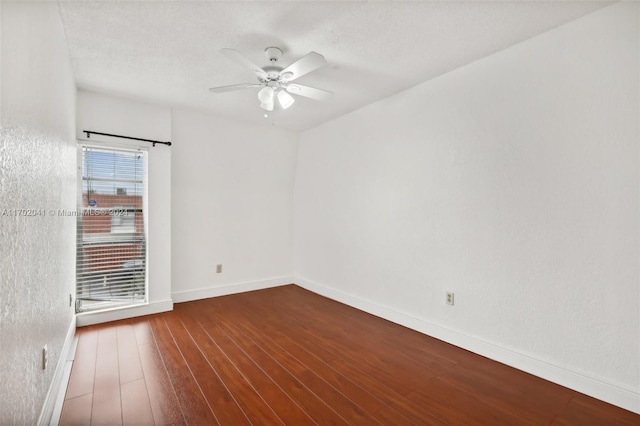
[266, 95]
[285, 99]
[267, 105]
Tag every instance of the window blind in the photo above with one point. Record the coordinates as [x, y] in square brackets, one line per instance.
[111, 229]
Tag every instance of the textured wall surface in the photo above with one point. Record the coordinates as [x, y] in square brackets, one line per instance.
[38, 172]
[512, 181]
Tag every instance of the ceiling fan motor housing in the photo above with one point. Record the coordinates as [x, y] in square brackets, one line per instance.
[273, 73]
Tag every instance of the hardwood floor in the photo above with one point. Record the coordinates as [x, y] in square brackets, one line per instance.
[288, 356]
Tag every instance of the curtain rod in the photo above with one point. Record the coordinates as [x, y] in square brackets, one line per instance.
[89, 133]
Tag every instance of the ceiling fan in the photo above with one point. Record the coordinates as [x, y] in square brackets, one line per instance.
[275, 81]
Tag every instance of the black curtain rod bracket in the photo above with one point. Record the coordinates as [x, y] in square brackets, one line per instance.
[89, 133]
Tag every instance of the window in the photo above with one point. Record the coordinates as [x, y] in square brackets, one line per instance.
[111, 228]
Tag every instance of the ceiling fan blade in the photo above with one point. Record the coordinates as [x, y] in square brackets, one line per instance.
[236, 56]
[233, 87]
[309, 92]
[310, 62]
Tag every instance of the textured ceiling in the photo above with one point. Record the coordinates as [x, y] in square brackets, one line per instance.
[169, 52]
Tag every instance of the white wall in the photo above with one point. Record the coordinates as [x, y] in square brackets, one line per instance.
[37, 171]
[232, 186]
[512, 182]
[108, 114]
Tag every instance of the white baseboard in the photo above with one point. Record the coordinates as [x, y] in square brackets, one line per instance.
[58, 377]
[613, 393]
[64, 383]
[205, 293]
[98, 317]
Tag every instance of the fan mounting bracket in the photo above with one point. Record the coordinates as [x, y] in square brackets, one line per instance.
[273, 54]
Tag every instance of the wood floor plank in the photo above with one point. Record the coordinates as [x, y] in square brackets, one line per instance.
[286, 408]
[162, 397]
[107, 409]
[136, 407]
[222, 402]
[244, 393]
[504, 395]
[163, 401]
[393, 399]
[387, 362]
[128, 356]
[415, 346]
[444, 411]
[379, 364]
[84, 365]
[390, 416]
[475, 406]
[142, 331]
[360, 396]
[311, 377]
[194, 406]
[282, 372]
[76, 411]
[586, 411]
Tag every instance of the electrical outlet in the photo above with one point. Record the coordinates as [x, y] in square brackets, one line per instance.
[450, 298]
[218, 268]
[45, 357]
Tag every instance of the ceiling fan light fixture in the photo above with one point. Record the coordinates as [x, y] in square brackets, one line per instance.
[285, 99]
[267, 106]
[266, 95]
[275, 81]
